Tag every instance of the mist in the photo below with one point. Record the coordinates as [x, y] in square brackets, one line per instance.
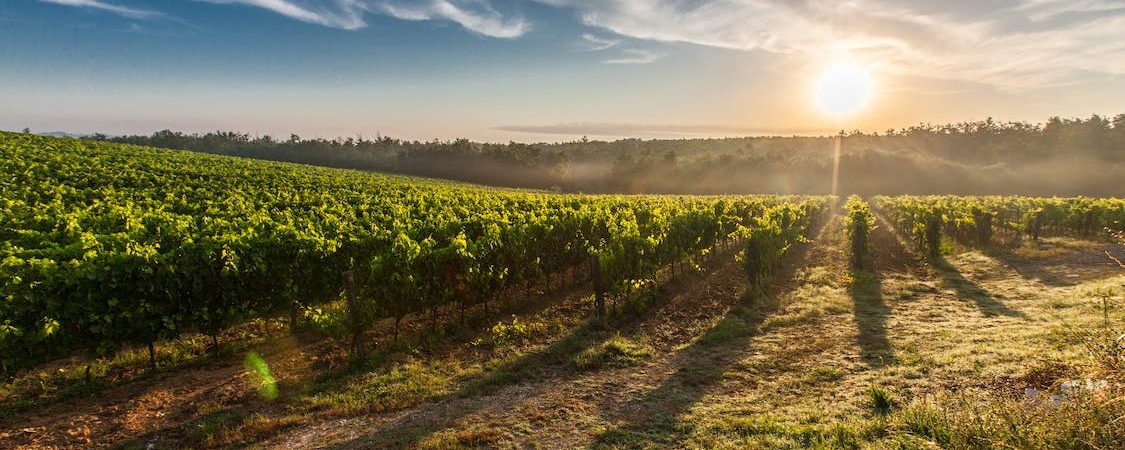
[1058, 157]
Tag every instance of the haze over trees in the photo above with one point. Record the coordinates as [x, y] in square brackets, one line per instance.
[1058, 157]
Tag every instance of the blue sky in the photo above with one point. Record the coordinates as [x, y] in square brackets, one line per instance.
[546, 69]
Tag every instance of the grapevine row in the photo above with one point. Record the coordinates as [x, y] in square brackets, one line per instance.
[103, 245]
[975, 221]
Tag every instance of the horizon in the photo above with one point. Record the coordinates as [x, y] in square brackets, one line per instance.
[822, 134]
[548, 70]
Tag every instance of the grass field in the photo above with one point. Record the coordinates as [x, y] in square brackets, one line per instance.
[968, 350]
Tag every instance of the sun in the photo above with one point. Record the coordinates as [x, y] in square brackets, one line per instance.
[843, 89]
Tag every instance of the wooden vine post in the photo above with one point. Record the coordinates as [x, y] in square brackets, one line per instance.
[599, 291]
[353, 313]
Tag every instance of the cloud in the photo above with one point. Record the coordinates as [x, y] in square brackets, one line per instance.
[124, 11]
[597, 43]
[339, 14]
[1014, 45]
[1010, 45]
[636, 56]
[1047, 9]
[474, 15]
[483, 19]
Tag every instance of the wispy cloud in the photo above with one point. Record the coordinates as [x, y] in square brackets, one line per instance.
[1011, 45]
[125, 11]
[345, 15]
[474, 15]
[596, 43]
[1047, 9]
[636, 56]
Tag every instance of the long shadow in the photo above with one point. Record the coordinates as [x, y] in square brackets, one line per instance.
[1026, 269]
[952, 278]
[887, 256]
[1084, 262]
[551, 364]
[988, 304]
[547, 364]
[416, 336]
[700, 366]
[871, 318]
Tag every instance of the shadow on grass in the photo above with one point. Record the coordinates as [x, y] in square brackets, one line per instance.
[1030, 270]
[866, 292]
[536, 371]
[702, 365]
[338, 377]
[549, 364]
[988, 304]
[530, 374]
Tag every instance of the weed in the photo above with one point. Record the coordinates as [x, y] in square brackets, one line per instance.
[926, 421]
[880, 400]
[616, 351]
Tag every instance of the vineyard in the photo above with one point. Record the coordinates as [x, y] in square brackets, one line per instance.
[976, 221]
[474, 317]
[104, 245]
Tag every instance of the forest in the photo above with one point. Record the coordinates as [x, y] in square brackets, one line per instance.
[1057, 157]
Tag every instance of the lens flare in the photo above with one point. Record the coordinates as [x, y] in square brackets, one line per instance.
[260, 371]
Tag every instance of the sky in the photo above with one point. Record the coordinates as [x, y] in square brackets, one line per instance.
[548, 70]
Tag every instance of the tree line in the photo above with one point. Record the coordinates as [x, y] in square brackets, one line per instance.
[1058, 157]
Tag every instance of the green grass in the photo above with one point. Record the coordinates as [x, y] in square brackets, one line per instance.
[729, 327]
[208, 428]
[880, 400]
[404, 384]
[616, 351]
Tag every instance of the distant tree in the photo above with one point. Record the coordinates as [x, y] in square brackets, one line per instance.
[981, 157]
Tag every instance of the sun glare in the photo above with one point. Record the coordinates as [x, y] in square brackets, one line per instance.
[843, 90]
